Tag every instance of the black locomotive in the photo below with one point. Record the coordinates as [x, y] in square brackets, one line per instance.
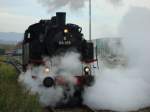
[54, 37]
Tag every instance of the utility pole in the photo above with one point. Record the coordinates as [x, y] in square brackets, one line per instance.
[90, 20]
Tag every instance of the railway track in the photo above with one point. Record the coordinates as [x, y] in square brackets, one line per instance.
[74, 109]
[88, 109]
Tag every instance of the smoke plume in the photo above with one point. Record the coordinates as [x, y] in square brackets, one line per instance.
[55, 4]
[60, 66]
[125, 89]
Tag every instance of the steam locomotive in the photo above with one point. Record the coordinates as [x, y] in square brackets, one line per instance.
[53, 37]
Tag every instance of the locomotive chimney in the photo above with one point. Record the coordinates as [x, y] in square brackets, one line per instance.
[61, 18]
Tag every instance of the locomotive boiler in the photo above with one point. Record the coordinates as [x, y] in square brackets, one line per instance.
[54, 37]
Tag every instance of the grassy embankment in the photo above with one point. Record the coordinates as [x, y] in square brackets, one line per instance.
[12, 96]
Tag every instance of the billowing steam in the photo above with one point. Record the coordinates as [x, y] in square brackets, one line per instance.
[128, 88]
[62, 67]
[120, 88]
[55, 4]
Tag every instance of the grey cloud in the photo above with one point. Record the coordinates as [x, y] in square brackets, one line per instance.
[116, 2]
[55, 4]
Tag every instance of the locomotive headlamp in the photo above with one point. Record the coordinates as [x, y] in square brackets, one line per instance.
[86, 69]
[66, 31]
[46, 70]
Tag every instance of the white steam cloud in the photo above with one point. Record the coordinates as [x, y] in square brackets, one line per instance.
[65, 66]
[121, 88]
[125, 89]
[55, 4]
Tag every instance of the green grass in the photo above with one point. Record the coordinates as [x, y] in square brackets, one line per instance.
[12, 96]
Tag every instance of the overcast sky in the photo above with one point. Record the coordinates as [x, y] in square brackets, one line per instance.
[17, 15]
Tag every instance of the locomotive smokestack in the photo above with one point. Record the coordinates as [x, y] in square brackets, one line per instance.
[61, 18]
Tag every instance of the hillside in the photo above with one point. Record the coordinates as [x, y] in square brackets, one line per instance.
[10, 37]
